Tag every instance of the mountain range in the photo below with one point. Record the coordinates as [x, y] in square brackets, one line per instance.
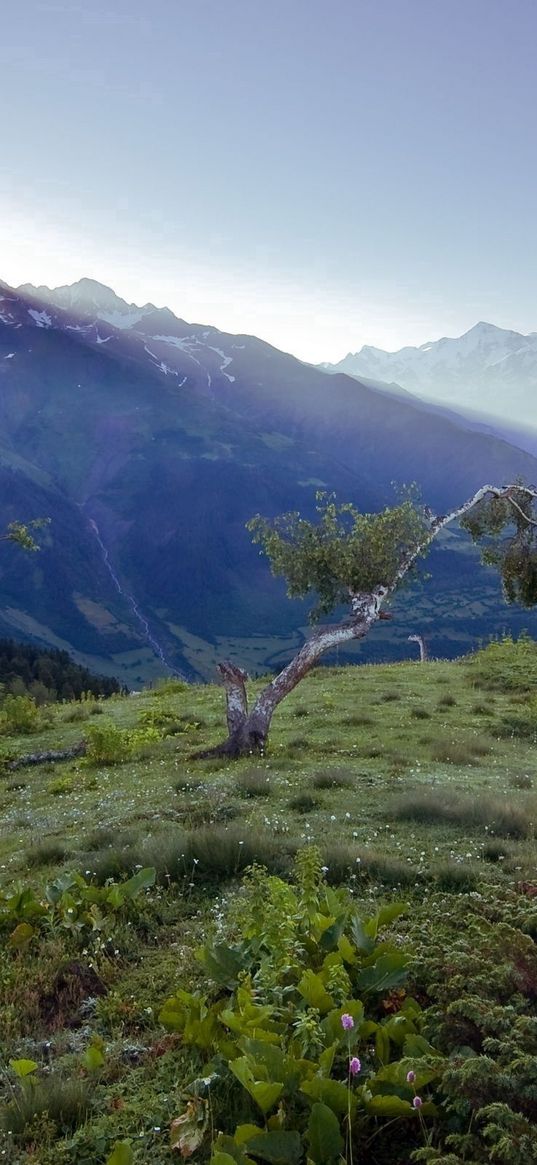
[149, 442]
[489, 370]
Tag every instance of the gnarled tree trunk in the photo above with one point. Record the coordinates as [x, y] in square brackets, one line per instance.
[248, 729]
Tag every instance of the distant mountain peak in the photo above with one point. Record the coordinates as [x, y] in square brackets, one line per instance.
[489, 369]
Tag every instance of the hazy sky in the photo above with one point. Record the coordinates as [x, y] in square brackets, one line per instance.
[322, 173]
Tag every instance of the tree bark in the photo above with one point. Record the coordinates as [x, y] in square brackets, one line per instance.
[53, 756]
[421, 644]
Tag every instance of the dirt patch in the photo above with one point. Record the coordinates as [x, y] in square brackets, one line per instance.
[73, 983]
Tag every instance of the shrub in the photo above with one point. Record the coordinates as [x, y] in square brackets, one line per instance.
[460, 752]
[521, 781]
[304, 803]
[420, 714]
[76, 713]
[254, 784]
[48, 853]
[357, 720]
[108, 744]
[333, 779]
[498, 816]
[64, 1102]
[171, 687]
[20, 714]
[505, 665]
[456, 879]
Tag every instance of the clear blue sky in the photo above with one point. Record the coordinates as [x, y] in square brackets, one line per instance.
[324, 173]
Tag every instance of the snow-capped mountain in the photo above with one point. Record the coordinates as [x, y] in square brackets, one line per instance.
[490, 370]
[150, 442]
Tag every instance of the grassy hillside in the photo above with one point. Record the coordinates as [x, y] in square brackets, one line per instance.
[416, 783]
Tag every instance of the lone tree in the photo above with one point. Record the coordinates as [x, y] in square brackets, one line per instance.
[359, 560]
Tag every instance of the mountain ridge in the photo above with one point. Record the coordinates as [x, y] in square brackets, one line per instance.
[154, 442]
[489, 370]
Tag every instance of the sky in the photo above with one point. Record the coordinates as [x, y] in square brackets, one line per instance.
[321, 173]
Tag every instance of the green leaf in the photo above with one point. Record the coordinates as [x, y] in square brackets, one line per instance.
[324, 1135]
[23, 1068]
[244, 1133]
[219, 1158]
[140, 881]
[278, 1147]
[330, 937]
[389, 970]
[389, 912]
[223, 963]
[390, 1106]
[93, 1058]
[265, 1094]
[364, 942]
[21, 936]
[330, 1092]
[416, 1046]
[121, 1154]
[313, 990]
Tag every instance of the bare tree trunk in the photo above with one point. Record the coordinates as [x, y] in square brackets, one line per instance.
[248, 730]
[421, 644]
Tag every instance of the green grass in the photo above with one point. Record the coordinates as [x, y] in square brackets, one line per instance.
[404, 775]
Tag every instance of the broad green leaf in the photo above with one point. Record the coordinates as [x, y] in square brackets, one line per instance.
[313, 990]
[21, 936]
[390, 1106]
[324, 1135]
[346, 950]
[326, 1059]
[121, 1154]
[388, 971]
[279, 1147]
[265, 1094]
[330, 1092]
[389, 912]
[268, 1061]
[223, 963]
[244, 1133]
[364, 941]
[93, 1058]
[23, 1068]
[330, 937]
[416, 1046]
[139, 881]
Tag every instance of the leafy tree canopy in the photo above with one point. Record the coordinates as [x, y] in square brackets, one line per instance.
[345, 552]
[23, 533]
[506, 528]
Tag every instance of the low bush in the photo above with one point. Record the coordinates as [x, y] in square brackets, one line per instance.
[304, 803]
[294, 1017]
[110, 745]
[460, 752]
[333, 779]
[254, 784]
[20, 715]
[48, 853]
[497, 816]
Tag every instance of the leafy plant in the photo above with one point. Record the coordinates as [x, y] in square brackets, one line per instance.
[297, 989]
